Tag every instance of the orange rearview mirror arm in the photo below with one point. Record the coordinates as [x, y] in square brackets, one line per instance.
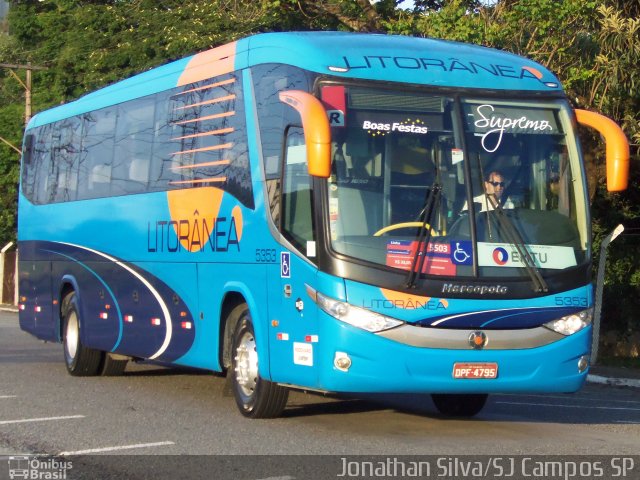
[617, 148]
[317, 134]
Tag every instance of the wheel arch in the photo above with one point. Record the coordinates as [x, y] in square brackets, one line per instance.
[236, 293]
[68, 284]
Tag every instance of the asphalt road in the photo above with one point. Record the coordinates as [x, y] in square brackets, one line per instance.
[153, 410]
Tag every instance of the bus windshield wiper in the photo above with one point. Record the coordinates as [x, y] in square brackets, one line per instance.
[423, 235]
[513, 236]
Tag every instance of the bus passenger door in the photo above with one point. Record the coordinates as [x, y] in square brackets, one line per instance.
[293, 314]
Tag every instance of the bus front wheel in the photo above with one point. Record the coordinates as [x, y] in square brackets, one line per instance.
[255, 396]
[80, 360]
[459, 405]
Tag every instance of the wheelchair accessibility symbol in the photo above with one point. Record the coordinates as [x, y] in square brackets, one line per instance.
[285, 265]
[461, 252]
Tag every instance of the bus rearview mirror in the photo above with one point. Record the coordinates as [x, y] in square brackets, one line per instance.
[317, 134]
[617, 147]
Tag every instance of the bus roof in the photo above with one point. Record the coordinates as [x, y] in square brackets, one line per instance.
[392, 58]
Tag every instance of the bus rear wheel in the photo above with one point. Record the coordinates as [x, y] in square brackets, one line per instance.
[255, 396]
[460, 405]
[80, 360]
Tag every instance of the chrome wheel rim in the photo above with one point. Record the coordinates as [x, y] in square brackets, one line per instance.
[72, 335]
[246, 360]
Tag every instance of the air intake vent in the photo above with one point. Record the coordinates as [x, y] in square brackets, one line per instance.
[384, 100]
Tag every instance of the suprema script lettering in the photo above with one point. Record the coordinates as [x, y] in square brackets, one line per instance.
[498, 125]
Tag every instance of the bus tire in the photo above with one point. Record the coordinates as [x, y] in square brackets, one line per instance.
[460, 405]
[80, 360]
[255, 396]
[112, 367]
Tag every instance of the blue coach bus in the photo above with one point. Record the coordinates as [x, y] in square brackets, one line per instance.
[327, 211]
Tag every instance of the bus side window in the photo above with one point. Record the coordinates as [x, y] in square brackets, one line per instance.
[38, 171]
[160, 173]
[97, 157]
[133, 144]
[297, 207]
[65, 157]
[29, 143]
[29, 162]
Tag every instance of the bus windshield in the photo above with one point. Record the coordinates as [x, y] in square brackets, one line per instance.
[510, 190]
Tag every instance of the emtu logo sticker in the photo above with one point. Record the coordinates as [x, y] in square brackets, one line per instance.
[500, 256]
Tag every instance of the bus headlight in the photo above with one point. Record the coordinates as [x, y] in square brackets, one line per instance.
[570, 324]
[358, 317]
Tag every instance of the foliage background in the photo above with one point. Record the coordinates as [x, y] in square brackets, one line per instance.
[592, 46]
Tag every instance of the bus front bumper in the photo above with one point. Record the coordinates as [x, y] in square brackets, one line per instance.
[379, 364]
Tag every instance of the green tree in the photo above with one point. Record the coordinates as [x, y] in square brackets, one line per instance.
[11, 124]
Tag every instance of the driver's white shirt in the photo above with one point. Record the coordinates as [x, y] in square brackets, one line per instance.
[487, 204]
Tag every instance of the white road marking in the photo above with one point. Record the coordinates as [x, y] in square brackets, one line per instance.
[568, 396]
[568, 406]
[43, 419]
[113, 449]
[8, 396]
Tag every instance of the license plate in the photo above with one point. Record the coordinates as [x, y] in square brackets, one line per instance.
[475, 370]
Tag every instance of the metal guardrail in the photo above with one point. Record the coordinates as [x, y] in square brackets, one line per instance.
[599, 288]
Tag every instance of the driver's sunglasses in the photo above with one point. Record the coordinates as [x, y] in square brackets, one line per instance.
[497, 184]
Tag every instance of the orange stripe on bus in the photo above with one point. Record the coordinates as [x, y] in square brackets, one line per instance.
[206, 149]
[211, 63]
[202, 180]
[221, 131]
[208, 117]
[205, 87]
[192, 204]
[206, 164]
[208, 102]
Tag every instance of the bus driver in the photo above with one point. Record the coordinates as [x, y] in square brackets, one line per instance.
[494, 186]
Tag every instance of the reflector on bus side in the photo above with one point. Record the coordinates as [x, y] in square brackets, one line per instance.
[617, 148]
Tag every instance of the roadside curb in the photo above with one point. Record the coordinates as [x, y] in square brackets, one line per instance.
[615, 382]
